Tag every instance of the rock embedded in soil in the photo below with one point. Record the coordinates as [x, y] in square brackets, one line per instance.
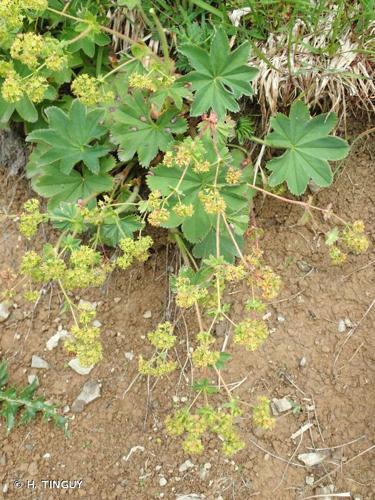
[282, 405]
[38, 362]
[302, 362]
[53, 342]
[33, 378]
[78, 368]
[310, 459]
[186, 466]
[341, 326]
[147, 315]
[163, 481]
[90, 391]
[4, 311]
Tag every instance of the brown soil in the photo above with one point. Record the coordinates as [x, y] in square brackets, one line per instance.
[337, 398]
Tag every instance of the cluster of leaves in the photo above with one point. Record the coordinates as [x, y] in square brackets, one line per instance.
[131, 141]
[14, 400]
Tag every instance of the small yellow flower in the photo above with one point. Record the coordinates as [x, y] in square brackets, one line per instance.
[12, 89]
[35, 88]
[251, 333]
[183, 210]
[233, 176]
[262, 414]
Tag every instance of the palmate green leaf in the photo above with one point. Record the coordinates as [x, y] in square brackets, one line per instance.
[308, 148]
[135, 131]
[59, 187]
[69, 138]
[116, 227]
[220, 76]
[200, 229]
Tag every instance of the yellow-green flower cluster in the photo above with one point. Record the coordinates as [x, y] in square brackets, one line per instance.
[30, 266]
[233, 176]
[187, 293]
[86, 342]
[195, 425]
[262, 414]
[183, 210]
[234, 273]
[12, 87]
[354, 238]
[188, 152]
[143, 82]
[158, 216]
[212, 201]
[255, 305]
[28, 48]
[89, 90]
[86, 269]
[251, 333]
[6, 67]
[30, 218]
[133, 250]
[162, 337]
[12, 14]
[156, 367]
[31, 295]
[337, 256]
[269, 283]
[202, 356]
[35, 88]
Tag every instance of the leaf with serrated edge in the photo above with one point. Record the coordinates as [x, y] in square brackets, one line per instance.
[220, 77]
[135, 131]
[308, 148]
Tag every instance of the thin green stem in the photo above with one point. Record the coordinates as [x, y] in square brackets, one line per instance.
[162, 36]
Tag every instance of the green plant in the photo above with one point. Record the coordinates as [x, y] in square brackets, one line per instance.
[14, 400]
[132, 142]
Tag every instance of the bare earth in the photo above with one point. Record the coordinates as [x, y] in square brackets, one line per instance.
[334, 389]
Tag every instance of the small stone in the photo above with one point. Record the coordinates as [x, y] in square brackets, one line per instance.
[66, 409]
[37, 362]
[267, 316]
[341, 326]
[309, 480]
[349, 323]
[47, 456]
[129, 356]
[203, 472]
[282, 405]
[96, 323]
[55, 339]
[33, 378]
[4, 311]
[5, 488]
[90, 391]
[311, 459]
[147, 315]
[326, 490]
[78, 368]
[207, 466]
[116, 300]
[280, 318]
[302, 362]
[304, 266]
[85, 304]
[184, 399]
[185, 466]
[162, 481]
[33, 469]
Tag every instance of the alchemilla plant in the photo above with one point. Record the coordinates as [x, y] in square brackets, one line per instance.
[122, 142]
